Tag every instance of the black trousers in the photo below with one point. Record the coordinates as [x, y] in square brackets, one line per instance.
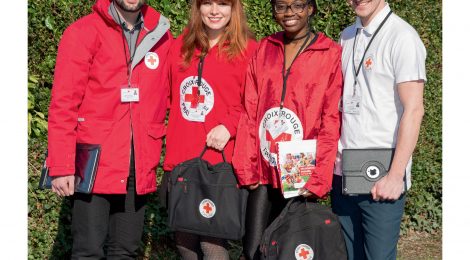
[108, 226]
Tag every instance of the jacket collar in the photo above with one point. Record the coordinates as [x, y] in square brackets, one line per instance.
[149, 14]
[321, 44]
[113, 12]
[376, 21]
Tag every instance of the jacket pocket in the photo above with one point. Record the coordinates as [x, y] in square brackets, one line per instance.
[94, 130]
[153, 144]
[156, 131]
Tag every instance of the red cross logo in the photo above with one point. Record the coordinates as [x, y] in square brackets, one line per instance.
[280, 138]
[194, 97]
[303, 253]
[368, 63]
[152, 60]
[207, 208]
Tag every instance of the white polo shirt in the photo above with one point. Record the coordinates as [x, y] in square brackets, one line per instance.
[396, 55]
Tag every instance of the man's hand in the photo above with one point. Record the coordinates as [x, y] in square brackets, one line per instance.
[390, 187]
[218, 137]
[65, 185]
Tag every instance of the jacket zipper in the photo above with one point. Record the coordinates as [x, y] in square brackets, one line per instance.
[130, 70]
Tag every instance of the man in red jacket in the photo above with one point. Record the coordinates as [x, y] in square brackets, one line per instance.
[109, 89]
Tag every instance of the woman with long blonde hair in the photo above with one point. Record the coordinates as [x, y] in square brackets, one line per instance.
[207, 75]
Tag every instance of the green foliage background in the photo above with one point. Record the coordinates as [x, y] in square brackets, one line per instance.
[49, 216]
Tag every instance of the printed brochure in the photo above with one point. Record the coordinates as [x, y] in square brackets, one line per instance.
[296, 164]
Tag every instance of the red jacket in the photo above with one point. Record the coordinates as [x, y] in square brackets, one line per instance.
[221, 93]
[311, 110]
[86, 102]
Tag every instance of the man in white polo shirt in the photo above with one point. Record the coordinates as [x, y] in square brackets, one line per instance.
[384, 72]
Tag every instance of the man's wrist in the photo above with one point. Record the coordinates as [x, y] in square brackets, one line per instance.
[62, 175]
[396, 174]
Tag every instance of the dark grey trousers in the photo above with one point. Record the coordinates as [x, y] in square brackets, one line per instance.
[108, 226]
[371, 229]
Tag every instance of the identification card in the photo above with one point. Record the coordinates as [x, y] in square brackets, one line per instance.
[129, 94]
[278, 127]
[351, 104]
[197, 115]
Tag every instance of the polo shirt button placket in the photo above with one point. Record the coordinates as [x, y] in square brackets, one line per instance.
[360, 47]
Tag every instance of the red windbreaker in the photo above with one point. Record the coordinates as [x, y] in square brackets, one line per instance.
[221, 94]
[86, 102]
[313, 92]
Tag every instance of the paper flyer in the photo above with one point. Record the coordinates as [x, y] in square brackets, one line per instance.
[296, 163]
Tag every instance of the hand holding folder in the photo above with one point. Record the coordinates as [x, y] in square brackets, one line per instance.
[86, 166]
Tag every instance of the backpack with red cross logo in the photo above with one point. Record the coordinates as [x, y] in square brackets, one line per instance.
[204, 199]
[304, 231]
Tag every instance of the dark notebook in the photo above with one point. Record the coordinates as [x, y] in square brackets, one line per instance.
[362, 168]
[86, 166]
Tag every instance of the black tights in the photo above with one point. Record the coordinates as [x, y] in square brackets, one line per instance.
[195, 247]
[264, 205]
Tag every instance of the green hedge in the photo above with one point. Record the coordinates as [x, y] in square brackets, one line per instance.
[49, 216]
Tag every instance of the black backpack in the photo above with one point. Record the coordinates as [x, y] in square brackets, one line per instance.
[204, 199]
[304, 231]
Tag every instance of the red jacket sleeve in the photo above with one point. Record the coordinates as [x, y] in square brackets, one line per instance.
[232, 119]
[245, 157]
[327, 142]
[168, 68]
[74, 58]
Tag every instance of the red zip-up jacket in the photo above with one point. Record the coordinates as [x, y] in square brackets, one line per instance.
[86, 102]
[310, 111]
[221, 95]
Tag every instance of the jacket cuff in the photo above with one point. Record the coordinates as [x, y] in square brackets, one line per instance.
[244, 179]
[232, 129]
[61, 171]
[317, 187]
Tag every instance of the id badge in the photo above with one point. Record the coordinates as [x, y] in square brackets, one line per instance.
[278, 127]
[351, 104]
[129, 94]
[197, 115]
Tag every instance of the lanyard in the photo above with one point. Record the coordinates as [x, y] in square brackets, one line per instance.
[131, 58]
[356, 71]
[200, 67]
[285, 74]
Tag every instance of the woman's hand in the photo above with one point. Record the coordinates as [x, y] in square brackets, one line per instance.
[252, 186]
[304, 192]
[218, 137]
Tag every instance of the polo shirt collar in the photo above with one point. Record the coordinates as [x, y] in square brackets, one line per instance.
[375, 23]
